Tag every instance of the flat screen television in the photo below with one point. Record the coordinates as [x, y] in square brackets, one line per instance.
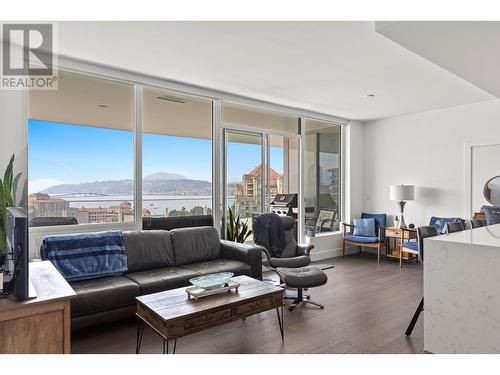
[17, 240]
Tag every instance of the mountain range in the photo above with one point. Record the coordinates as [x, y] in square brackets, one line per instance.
[156, 183]
[164, 176]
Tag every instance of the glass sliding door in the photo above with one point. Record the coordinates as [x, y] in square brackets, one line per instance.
[244, 174]
[261, 159]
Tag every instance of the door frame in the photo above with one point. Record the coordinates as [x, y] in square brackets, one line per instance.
[264, 135]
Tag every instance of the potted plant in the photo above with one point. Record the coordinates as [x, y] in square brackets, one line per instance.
[311, 230]
[236, 230]
[8, 187]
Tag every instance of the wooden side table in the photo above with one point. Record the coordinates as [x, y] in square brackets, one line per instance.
[40, 325]
[393, 251]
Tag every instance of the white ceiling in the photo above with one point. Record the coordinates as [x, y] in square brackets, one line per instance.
[326, 67]
[469, 49]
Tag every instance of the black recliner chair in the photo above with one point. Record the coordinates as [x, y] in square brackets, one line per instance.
[290, 261]
[292, 255]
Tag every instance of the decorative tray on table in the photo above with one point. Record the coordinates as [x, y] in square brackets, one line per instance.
[211, 284]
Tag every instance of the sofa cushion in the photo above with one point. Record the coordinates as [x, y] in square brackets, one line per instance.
[219, 265]
[412, 245]
[158, 280]
[193, 245]
[102, 294]
[361, 239]
[148, 249]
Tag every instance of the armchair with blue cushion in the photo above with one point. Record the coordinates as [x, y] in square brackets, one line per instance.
[367, 231]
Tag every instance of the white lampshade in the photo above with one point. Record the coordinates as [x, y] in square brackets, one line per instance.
[401, 193]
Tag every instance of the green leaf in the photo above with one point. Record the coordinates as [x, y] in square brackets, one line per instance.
[15, 185]
[3, 207]
[3, 241]
[3, 219]
[237, 228]
[230, 226]
[7, 183]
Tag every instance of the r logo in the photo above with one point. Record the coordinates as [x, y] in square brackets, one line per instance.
[35, 57]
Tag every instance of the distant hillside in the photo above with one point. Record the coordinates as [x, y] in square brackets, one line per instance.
[126, 187]
[164, 176]
[121, 187]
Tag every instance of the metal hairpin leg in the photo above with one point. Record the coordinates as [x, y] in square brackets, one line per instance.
[165, 346]
[420, 308]
[281, 321]
[140, 331]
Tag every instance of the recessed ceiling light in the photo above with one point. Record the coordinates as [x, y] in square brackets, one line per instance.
[171, 99]
[369, 96]
[103, 106]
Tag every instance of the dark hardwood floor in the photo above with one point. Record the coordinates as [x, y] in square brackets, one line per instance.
[367, 309]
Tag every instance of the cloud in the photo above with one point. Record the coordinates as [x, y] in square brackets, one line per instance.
[36, 186]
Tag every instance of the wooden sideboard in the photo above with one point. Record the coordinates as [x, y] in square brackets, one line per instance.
[41, 325]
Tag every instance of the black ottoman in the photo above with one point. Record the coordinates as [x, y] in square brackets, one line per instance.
[302, 278]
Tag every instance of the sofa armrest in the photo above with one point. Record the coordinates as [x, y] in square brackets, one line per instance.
[249, 254]
[304, 249]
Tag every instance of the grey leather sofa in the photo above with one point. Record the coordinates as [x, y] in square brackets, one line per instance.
[159, 260]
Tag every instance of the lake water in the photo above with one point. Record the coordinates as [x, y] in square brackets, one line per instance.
[157, 204]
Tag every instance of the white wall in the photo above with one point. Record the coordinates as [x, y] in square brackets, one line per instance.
[427, 150]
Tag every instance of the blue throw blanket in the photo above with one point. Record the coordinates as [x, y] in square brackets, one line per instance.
[86, 255]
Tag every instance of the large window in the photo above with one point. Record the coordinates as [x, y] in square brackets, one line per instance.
[322, 193]
[176, 155]
[82, 143]
[81, 152]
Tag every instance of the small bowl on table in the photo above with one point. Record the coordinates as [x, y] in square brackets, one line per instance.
[212, 281]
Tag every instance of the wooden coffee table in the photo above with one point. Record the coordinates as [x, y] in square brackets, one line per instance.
[171, 314]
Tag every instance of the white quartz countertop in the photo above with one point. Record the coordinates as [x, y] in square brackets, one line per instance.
[485, 236]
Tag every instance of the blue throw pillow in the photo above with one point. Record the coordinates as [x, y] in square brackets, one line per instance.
[364, 227]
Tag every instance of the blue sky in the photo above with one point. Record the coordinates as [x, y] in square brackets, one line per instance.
[65, 153]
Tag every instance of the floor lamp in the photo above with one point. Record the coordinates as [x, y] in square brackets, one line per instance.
[402, 194]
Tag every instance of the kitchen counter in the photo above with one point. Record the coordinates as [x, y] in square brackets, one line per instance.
[462, 292]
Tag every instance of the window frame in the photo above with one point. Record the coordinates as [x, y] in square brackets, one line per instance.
[139, 82]
[342, 182]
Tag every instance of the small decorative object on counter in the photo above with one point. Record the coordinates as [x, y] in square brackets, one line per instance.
[396, 222]
[411, 226]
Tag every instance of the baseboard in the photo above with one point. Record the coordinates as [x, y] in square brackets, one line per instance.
[331, 253]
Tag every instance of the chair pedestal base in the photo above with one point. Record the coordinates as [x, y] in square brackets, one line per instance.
[301, 298]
